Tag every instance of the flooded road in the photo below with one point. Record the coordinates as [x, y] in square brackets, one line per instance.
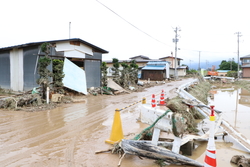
[68, 136]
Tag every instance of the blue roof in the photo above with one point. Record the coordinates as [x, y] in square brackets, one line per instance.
[155, 65]
[223, 70]
[154, 68]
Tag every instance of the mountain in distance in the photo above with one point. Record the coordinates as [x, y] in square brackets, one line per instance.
[204, 65]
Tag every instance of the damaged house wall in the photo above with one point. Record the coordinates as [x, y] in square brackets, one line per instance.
[18, 63]
[86, 58]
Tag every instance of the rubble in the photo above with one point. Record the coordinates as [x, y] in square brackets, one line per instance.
[240, 161]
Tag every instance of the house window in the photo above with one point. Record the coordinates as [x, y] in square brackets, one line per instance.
[246, 61]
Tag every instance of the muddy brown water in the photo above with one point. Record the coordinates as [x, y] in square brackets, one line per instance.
[69, 136]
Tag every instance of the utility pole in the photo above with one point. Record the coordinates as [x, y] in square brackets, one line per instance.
[199, 68]
[207, 64]
[231, 61]
[238, 51]
[175, 40]
[190, 64]
[69, 29]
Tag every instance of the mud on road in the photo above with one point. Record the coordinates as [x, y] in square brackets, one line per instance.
[68, 136]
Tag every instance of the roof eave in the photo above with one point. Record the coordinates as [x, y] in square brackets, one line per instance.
[54, 41]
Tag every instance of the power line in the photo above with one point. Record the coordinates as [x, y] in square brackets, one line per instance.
[152, 36]
[132, 24]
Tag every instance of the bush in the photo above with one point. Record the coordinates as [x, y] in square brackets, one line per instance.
[232, 74]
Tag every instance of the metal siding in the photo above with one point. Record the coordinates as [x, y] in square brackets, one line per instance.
[96, 56]
[16, 69]
[30, 74]
[5, 70]
[93, 73]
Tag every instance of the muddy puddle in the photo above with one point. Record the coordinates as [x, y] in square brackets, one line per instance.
[69, 136]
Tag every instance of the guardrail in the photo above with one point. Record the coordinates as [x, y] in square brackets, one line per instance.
[238, 137]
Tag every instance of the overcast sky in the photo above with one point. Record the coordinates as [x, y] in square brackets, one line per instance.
[206, 26]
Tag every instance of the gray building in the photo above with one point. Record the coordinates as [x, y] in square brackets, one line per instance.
[18, 64]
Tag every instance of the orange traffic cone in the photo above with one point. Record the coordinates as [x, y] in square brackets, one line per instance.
[162, 102]
[153, 103]
[116, 133]
[210, 158]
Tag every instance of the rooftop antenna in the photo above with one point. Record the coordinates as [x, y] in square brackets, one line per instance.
[69, 29]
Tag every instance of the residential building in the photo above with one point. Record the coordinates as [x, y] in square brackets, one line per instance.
[18, 64]
[222, 72]
[181, 70]
[245, 66]
[142, 61]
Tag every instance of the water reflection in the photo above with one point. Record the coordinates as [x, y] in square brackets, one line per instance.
[245, 97]
[235, 104]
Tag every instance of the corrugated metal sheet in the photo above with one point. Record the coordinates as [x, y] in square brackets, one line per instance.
[30, 74]
[93, 73]
[5, 70]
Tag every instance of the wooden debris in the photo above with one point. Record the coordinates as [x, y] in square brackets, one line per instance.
[103, 151]
[148, 150]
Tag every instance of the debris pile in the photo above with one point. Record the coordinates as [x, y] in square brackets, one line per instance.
[13, 102]
[189, 113]
[240, 161]
[200, 91]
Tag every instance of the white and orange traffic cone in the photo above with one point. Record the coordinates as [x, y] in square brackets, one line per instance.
[162, 102]
[210, 158]
[153, 103]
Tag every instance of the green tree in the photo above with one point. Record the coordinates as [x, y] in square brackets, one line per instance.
[58, 75]
[115, 68]
[228, 65]
[43, 71]
[104, 74]
[125, 77]
[232, 74]
[133, 74]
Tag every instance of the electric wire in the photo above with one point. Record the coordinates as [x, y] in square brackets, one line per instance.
[154, 37]
[133, 24]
